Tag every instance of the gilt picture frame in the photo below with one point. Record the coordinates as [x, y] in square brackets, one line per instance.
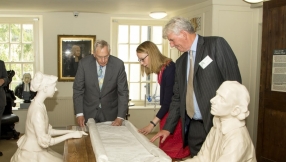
[71, 49]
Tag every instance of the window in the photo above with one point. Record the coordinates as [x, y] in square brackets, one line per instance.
[129, 34]
[17, 46]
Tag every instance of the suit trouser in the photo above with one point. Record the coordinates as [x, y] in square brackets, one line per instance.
[196, 136]
[2, 108]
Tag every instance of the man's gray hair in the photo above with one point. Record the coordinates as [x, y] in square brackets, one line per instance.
[100, 44]
[177, 24]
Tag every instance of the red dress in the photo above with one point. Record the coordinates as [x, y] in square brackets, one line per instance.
[173, 145]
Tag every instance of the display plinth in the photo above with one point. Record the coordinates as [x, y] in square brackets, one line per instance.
[24, 105]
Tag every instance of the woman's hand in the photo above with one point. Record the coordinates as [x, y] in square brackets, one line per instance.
[146, 130]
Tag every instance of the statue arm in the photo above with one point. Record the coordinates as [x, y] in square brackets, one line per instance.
[74, 134]
[55, 132]
[43, 135]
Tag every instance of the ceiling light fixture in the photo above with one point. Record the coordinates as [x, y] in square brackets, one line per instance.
[253, 1]
[158, 15]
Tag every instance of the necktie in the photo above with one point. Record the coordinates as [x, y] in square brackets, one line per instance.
[100, 77]
[189, 97]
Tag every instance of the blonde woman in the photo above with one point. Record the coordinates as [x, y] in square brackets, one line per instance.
[153, 61]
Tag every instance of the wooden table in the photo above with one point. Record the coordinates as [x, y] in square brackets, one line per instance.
[78, 150]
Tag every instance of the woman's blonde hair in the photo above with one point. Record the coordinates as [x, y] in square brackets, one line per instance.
[156, 58]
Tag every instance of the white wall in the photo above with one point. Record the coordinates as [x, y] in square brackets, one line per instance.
[64, 23]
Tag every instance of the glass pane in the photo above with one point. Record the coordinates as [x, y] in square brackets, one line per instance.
[123, 52]
[4, 33]
[147, 89]
[134, 34]
[135, 72]
[127, 71]
[28, 52]
[123, 34]
[144, 33]
[28, 68]
[143, 91]
[154, 77]
[160, 48]
[18, 72]
[15, 52]
[4, 52]
[156, 91]
[157, 34]
[134, 93]
[15, 33]
[7, 66]
[13, 85]
[143, 78]
[133, 54]
[27, 32]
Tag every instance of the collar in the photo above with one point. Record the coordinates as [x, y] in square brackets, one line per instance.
[227, 125]
[194, 45]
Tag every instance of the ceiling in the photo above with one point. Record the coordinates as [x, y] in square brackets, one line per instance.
[129, 7]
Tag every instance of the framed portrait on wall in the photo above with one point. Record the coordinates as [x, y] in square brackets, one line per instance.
[71, 49]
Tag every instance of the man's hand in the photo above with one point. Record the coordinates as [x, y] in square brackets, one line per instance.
[163, 133]
[80, 121]
[117, 122]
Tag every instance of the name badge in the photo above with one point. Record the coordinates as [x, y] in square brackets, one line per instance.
[205, 62]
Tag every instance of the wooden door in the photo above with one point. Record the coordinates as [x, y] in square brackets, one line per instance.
[271, 135]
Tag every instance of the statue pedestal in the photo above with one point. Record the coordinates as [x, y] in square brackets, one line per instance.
[24, 105]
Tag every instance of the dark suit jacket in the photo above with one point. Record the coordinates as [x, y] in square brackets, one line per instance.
[3, 75]
[114, 95]
[166, 89]
[206, 81]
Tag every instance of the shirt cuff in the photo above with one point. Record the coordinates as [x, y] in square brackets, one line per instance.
[79, 114]
[120, 118]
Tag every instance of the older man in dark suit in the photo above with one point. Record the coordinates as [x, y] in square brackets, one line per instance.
[100, 89]
[3, 82]
[210, 61]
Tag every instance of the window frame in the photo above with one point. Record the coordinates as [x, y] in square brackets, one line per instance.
[114, 50]
[34, 20]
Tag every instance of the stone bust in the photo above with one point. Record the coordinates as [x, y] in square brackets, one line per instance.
[228, 139]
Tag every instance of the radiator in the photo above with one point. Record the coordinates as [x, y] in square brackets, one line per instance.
[60, 111]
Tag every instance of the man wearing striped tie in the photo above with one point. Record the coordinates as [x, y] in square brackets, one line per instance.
[205, 64]
[100, 89]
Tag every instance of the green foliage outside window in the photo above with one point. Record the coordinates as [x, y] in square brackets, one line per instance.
[17, 49]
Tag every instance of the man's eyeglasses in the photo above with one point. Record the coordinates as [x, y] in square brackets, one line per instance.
[142, 60]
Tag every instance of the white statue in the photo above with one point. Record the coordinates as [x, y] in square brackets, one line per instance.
[34, 144]
[228, 139]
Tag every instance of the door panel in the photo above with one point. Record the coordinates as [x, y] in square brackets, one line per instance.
[271, 135]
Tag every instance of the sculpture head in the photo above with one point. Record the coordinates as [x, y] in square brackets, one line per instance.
[231, 100]
[44, 83]
[26, 78]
